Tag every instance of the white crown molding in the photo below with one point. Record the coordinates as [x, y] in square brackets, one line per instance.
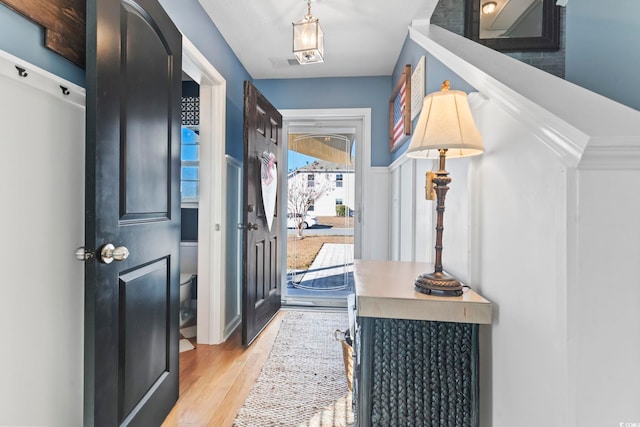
[612, 153]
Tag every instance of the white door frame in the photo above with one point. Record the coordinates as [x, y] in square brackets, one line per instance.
[362, 166]
[212, 204]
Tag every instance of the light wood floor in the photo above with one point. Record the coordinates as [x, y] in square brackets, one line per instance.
[216, 379]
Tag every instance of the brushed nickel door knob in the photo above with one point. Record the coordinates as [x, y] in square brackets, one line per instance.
[110, 253]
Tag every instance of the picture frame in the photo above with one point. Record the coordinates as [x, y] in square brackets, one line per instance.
[418, 77]
[549, 38]
[400, 110]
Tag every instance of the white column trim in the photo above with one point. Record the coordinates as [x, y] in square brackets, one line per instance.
[212, 204]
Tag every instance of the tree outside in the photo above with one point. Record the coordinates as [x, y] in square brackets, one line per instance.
[301, 195]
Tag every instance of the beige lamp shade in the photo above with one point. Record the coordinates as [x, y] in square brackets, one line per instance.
[445, 123]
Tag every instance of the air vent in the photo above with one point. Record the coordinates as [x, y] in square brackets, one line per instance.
[283, 62]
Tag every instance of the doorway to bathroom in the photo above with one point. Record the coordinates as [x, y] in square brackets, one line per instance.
[189, 197]
[209, 250]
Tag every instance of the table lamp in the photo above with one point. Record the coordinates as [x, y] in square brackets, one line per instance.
[445, 129]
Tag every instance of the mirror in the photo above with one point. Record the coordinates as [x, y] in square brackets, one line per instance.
[513, 25]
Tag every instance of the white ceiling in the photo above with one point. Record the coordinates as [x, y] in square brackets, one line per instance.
[362, 37]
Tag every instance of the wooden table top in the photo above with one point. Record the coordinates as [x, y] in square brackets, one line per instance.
[386, 289]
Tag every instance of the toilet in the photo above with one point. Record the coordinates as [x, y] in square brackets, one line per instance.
[186, 312]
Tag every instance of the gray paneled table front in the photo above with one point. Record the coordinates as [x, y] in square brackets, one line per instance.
[416, 354]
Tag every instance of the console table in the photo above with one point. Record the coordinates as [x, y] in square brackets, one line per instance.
[416, 355]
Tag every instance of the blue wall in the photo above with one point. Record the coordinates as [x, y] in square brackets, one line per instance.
[193, 21]
[338, 92]
[603, 53]
[436, 73]
[24, 39]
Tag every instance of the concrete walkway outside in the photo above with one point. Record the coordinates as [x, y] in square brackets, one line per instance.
[331, 270]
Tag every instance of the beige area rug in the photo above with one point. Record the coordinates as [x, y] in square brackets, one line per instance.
[303, 381]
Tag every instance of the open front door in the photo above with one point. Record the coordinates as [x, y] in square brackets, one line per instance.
[134, 57]
[262, 187]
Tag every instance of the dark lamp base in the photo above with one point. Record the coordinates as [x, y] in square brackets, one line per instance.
[438, 283]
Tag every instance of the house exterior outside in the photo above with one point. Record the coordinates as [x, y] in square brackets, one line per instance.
[336, 182]
[559, 342]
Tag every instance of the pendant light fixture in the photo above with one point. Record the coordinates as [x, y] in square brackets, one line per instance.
[308, 39]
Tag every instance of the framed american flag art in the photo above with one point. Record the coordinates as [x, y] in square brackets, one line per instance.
[400, 110]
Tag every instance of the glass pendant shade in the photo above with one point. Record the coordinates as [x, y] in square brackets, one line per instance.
[308, 41]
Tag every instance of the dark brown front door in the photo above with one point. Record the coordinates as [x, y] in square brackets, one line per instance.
[261, 246]
[134, 55]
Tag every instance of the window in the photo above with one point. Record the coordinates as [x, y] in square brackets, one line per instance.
[338, 202]
[190, 165]
[338, 180]
[311, 207]
[311, 180]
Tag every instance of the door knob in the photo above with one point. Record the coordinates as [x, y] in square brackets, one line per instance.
[83, 254]
[110, 253]
[249, 226]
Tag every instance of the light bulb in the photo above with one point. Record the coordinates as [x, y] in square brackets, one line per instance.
[489, 7]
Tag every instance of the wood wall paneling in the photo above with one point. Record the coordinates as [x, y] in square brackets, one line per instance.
[63, 21]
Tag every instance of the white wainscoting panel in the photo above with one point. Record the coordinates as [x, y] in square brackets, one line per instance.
[548, 230]
[411, 216]
[376, 218]
[42, 161]
[425, 211]
[407, 211]
[233, 292]
[394, 215]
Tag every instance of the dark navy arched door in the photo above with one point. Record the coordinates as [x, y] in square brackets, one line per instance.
[134, 55]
